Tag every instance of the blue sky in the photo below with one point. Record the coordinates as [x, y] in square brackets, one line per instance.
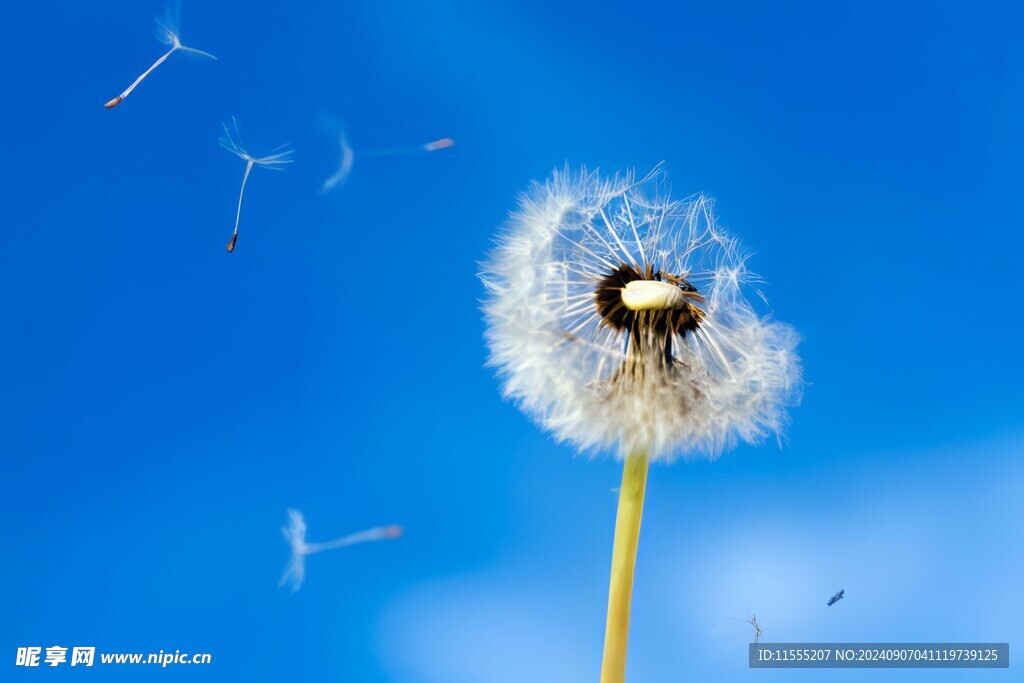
[164, 402]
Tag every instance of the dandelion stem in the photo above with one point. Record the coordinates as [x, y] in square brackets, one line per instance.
[620, 588]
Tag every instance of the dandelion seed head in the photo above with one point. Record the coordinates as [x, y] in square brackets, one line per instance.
[618, 319]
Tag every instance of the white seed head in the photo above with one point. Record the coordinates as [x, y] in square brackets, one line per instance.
[617, 319]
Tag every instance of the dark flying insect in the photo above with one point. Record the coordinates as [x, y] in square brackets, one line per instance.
[836, 598]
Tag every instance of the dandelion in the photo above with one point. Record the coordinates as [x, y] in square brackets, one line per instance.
[274, 161]
[295, 534]
[166, 33]
[348, 155]
[757, 628]
[618, 320]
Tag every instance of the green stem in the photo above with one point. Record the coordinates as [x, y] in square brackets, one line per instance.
[620, 588]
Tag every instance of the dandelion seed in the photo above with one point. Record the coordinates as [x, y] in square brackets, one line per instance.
[348, 158]
[443, 143]
[232, 141]
[166, 33]
[295, 534]
[618, 320]
[757, 629]
[348, 155]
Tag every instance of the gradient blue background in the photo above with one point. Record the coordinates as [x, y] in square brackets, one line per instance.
[163, 402]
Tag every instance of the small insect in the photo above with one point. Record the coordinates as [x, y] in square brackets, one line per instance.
[348, 155]
[232, 142]
[836, 598]
[166, 33]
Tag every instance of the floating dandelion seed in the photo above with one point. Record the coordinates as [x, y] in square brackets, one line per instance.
[443, 143]
[295, 534]
[757, 628]
[166, 33]
[233, 143]
[617, 320]
[753, 622]
[348, 155]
